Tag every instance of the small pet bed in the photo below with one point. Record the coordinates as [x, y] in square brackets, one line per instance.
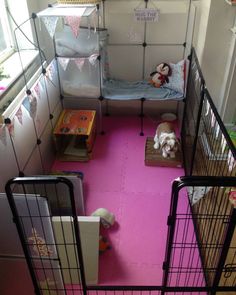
[128, 90]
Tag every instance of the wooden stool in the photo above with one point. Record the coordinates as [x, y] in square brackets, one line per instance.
[154, 157]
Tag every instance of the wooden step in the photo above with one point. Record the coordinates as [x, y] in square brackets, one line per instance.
[154, 157]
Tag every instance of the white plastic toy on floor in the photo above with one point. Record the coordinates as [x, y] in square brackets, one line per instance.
[107, 218]
[165, 139]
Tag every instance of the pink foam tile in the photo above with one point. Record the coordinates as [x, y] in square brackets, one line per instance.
[117, 265]
[143, 229]
[141, 178]
[100, 199]
[194, 278]
[124, 125]
[134, 274]
[104, 172]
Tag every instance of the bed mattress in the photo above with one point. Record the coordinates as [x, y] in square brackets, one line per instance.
[128, 90]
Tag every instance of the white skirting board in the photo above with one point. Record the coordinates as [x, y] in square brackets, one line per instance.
[89, 233]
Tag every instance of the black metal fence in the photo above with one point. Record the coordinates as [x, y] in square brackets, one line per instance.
[51, 244]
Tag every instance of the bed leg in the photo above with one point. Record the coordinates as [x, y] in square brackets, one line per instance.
[141, 116]
[107, 109]
[102, 132]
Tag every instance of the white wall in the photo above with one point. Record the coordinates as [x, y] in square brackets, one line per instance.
[201, 22]
[213, 41]
[20, 151]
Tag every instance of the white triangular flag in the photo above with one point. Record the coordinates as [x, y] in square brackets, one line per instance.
[223, 144]
[231, 161]
[93, 58]
[213, 119]
[217, 130]
[50, 23]
[207, 108]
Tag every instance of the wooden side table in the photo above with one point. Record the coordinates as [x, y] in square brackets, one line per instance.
[74, 134]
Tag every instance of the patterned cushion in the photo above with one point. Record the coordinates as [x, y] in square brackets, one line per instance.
[177, 78]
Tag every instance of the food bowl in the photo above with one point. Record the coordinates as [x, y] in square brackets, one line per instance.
[168, 117]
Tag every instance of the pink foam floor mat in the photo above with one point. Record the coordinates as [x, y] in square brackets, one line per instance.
[117, 179]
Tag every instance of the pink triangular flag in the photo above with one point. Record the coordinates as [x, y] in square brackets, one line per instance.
[79, 62]
[19, 115]
[64, 62]
[37, 90]
[73, 22]
[33, 106]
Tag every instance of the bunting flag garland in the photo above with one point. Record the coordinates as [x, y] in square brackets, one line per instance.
[30, 103]
[79, 63]
[223, 144]
[213, 119]
[33, 106]
[231, 161]
[3, 135]
[207, 108]
[36, 90]
[74, 23]
[51, 71]
[64, 62]
[50, 23]
[19, 115]
[217, 130]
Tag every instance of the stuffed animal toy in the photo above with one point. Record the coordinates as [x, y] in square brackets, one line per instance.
[160, 76]
[107, 218]
[103, 244]
[166, 140]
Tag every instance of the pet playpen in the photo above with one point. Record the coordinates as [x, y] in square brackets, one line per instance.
[198, 261]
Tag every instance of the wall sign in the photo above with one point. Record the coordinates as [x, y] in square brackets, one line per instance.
[146, 14]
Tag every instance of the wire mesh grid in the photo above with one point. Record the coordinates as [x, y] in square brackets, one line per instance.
[201, 238]
[51, 243]
[209, 151]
